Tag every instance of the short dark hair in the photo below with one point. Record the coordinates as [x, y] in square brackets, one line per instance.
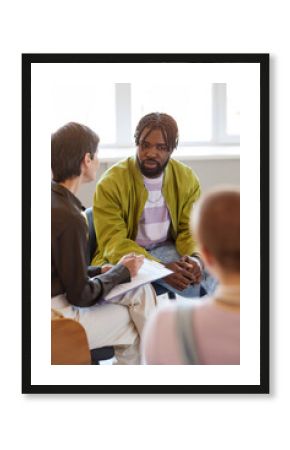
[216, 223]
[69, 144]
[164, 122]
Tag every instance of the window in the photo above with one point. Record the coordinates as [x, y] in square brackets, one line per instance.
[233, 109]
[207, 114]
[190, 105]
[91, 105]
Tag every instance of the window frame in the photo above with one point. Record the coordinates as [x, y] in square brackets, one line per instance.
[219, 135]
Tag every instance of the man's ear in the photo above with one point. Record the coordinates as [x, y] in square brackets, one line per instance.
[86, 160]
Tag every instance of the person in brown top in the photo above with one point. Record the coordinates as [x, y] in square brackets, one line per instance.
[78, 291]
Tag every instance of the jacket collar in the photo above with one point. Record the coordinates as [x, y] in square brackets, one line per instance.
[64, 192]
[138, 174]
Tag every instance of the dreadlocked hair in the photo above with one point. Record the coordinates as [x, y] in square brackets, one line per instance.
[164, 122]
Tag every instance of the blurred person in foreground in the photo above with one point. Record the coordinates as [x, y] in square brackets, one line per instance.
[208, 332]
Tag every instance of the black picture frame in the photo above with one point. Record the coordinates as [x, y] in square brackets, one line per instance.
[263, 61]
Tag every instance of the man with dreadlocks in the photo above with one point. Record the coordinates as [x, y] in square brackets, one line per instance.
[142, 205]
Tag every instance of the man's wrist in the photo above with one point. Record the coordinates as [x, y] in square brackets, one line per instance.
[197, 258]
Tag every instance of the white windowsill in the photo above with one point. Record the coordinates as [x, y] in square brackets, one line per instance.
[111, 155]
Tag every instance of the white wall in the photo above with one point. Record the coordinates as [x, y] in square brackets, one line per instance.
[210, 172]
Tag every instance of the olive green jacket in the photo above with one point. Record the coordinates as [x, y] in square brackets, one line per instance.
[119, 201]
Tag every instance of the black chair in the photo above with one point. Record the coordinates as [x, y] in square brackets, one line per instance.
[92, 241]
[103, 353]
[162, 290]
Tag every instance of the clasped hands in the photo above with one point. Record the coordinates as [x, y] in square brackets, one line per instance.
[186, 271]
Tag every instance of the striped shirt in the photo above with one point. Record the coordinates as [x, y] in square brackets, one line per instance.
[154, 223]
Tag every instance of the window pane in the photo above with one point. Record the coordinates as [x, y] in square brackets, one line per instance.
[233, 109]
[190, 105]
[91, 105]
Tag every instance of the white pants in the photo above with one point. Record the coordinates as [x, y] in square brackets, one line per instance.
[118, 323]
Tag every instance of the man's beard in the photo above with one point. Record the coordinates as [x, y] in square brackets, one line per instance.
[154, 171]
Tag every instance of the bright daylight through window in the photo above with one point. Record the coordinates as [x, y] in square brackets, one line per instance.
[207, 114]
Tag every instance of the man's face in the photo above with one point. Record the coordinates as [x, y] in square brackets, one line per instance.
[153, 153]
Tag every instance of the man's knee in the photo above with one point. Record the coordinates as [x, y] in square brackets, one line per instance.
[166, 253]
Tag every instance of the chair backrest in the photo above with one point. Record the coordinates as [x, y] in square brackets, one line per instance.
[69, 343]
[92, 241]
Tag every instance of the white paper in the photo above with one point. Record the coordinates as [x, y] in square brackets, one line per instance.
[149, 271]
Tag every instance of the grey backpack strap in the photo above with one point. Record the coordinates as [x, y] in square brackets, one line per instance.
[185, 334]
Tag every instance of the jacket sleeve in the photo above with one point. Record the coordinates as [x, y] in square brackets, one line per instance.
[185, 243]
[81, 290]
[94, 270]
[117, 275]
[111, 226]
